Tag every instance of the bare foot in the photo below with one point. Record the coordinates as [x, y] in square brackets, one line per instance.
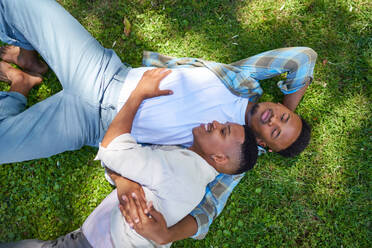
[27, 60]
[19, 81]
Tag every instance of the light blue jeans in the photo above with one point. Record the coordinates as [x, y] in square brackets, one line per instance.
[91, 77]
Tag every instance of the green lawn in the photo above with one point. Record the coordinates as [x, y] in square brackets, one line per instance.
[320, 199]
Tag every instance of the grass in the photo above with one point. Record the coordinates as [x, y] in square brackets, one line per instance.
[322, 198]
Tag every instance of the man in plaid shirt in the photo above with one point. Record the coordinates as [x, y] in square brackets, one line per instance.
[91, 77]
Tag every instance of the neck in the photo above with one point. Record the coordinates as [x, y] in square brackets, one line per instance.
[195, 149]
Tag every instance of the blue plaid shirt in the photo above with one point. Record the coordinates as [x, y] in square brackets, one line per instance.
[242, 79]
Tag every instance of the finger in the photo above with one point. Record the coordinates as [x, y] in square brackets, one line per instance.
[157, 216]
[140, 210]
[160, 70]
[133, 210]
[126, 209]
[142, 193]
[162, 73]
[166, 72]
[149, 205]
[164, 92]
[161, 77]
[142, 200]
[126, 217]
[155, 71]
[138, 204]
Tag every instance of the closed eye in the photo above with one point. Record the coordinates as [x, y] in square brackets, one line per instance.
[278, 134]
[275, 133]
[223, 131]
[285, 117]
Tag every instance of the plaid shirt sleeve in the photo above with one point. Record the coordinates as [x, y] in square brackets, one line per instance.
[238, 81]
[217, 193]
[297, 62]
[242, 77]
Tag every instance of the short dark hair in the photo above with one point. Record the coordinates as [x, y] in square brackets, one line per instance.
[249, 151]
[300, 143]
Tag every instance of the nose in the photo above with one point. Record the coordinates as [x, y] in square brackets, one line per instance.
[215, 124]
[273, 120]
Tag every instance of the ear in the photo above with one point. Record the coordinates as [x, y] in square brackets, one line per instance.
[220, 159]
[260, 142]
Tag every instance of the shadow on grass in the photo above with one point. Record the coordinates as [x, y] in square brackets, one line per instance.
[50, 192]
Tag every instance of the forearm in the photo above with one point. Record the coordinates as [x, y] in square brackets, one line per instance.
[147, 87]
[185, 228]
[122, 123]
[196, 223]
[292, 100]
[114, 176]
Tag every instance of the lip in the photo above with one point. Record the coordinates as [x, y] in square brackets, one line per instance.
[265, 116]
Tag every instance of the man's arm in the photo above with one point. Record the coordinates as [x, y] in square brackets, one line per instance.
[125, 189]
[297, 62]
[117, 137]
[300, 65]
[147, 87]
[152, 225]
[292, 100]
[195, 225]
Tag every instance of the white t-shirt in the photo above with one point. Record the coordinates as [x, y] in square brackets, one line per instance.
[174, 179]
[199, 97]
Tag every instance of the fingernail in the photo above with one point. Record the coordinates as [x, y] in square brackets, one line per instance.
[124, 198]
[146, 211]
[134, 195]
[136, 220]
[131, 225]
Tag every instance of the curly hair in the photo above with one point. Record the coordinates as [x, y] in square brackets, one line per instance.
[249, 151]
[301, 142]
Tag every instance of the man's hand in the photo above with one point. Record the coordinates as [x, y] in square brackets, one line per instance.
[151, 223]
[148, 86]
[125, 189]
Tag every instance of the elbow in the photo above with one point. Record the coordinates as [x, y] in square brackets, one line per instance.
[201, 236]
[162, 242]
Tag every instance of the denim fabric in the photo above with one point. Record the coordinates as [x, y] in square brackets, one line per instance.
[91, 77]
